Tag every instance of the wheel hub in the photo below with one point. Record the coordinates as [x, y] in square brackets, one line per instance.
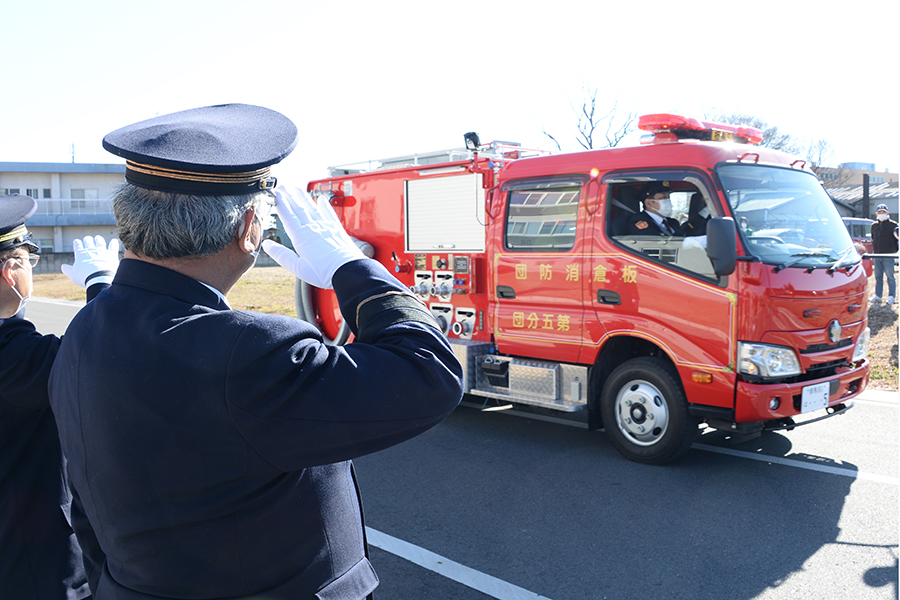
[638, 413]
[641, 413]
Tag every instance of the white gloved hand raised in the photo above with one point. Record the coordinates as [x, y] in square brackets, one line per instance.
[95, 262]
[321, 244]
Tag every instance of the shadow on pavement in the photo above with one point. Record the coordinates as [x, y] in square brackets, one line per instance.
[557, 511]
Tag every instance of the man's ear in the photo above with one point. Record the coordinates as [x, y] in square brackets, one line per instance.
[6, 269]
[246, 232]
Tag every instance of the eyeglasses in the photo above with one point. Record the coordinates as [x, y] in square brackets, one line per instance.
[264, 211]
[32, 258]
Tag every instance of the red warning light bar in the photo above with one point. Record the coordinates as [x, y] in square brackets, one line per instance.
[687, 127]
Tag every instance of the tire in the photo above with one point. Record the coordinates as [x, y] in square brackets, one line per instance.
[335, 332]
[645, 412]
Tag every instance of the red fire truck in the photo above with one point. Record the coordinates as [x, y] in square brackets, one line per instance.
[755, 320]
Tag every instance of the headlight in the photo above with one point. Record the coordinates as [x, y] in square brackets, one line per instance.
[862, 345]
[763, 360]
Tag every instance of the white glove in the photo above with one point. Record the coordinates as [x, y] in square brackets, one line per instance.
[95, 262]
[321, 244]
[694, 241]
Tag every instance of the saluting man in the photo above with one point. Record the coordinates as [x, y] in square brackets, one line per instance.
[39, 556]
[210, 448]
[655, 219]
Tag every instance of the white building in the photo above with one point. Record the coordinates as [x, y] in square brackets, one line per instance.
[74, 200]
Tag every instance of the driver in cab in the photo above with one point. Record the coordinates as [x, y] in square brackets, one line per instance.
[656, 218]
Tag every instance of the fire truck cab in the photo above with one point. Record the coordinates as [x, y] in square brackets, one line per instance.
[561, 294]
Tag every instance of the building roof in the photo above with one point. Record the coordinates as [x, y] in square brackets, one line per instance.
[31, 167]
[854, 193]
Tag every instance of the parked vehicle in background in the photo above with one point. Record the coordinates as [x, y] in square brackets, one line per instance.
[860, 231]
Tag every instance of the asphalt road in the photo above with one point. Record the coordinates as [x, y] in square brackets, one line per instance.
[496, 505]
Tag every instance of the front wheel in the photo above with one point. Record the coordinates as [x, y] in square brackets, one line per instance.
[645, 412]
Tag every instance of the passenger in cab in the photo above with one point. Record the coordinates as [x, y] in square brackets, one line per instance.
[698, 215]
[655, 219]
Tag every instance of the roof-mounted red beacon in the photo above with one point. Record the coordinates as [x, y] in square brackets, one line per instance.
[670, 128]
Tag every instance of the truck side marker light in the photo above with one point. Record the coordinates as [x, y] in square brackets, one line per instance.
[812, 313]
[701, 377]
[853, 308]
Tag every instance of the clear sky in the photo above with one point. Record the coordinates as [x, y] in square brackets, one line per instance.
[368, 79]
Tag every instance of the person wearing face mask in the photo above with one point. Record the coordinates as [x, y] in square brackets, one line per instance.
[884, 242]
[41, 557]
[698, 216]
[210, 448]
[656, 218]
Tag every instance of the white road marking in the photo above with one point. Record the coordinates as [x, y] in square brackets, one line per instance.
[779, 460]
[486, 584]
[56, 301]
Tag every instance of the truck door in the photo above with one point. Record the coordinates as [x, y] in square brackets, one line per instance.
[660, 287]
[537, 242]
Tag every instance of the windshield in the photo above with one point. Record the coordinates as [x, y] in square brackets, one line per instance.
[786, 217]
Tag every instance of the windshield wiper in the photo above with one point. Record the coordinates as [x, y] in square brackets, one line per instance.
[800, 256]
[840, 261]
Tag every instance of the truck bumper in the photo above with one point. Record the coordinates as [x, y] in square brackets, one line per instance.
[753, 401]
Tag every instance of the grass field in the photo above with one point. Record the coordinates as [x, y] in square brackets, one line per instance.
[271, 290]
[266, 290]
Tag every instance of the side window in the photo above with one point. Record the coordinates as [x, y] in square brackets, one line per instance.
[542, 218]
[669, 226]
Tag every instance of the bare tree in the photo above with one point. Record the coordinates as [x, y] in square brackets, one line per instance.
[612, 126]
[555, 141]
[772, 137]
[818, 153]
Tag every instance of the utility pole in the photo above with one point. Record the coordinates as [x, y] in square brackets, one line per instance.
[865, 198]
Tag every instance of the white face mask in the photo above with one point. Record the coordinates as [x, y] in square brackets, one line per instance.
[22, 301]
[255, 253]
[665, 207]
[882, 217]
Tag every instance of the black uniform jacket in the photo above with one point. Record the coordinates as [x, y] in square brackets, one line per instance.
[643, 224]
[209, 448]
[39, 556]
[883, 240]
[694, 226]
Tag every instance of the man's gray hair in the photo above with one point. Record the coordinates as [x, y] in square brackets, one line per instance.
[164, 225]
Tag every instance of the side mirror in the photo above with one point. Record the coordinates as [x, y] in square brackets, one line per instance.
[721, 245]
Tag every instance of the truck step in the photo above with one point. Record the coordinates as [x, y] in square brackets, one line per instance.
[518, 380]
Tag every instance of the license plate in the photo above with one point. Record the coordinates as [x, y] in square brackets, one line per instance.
[814, 397]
